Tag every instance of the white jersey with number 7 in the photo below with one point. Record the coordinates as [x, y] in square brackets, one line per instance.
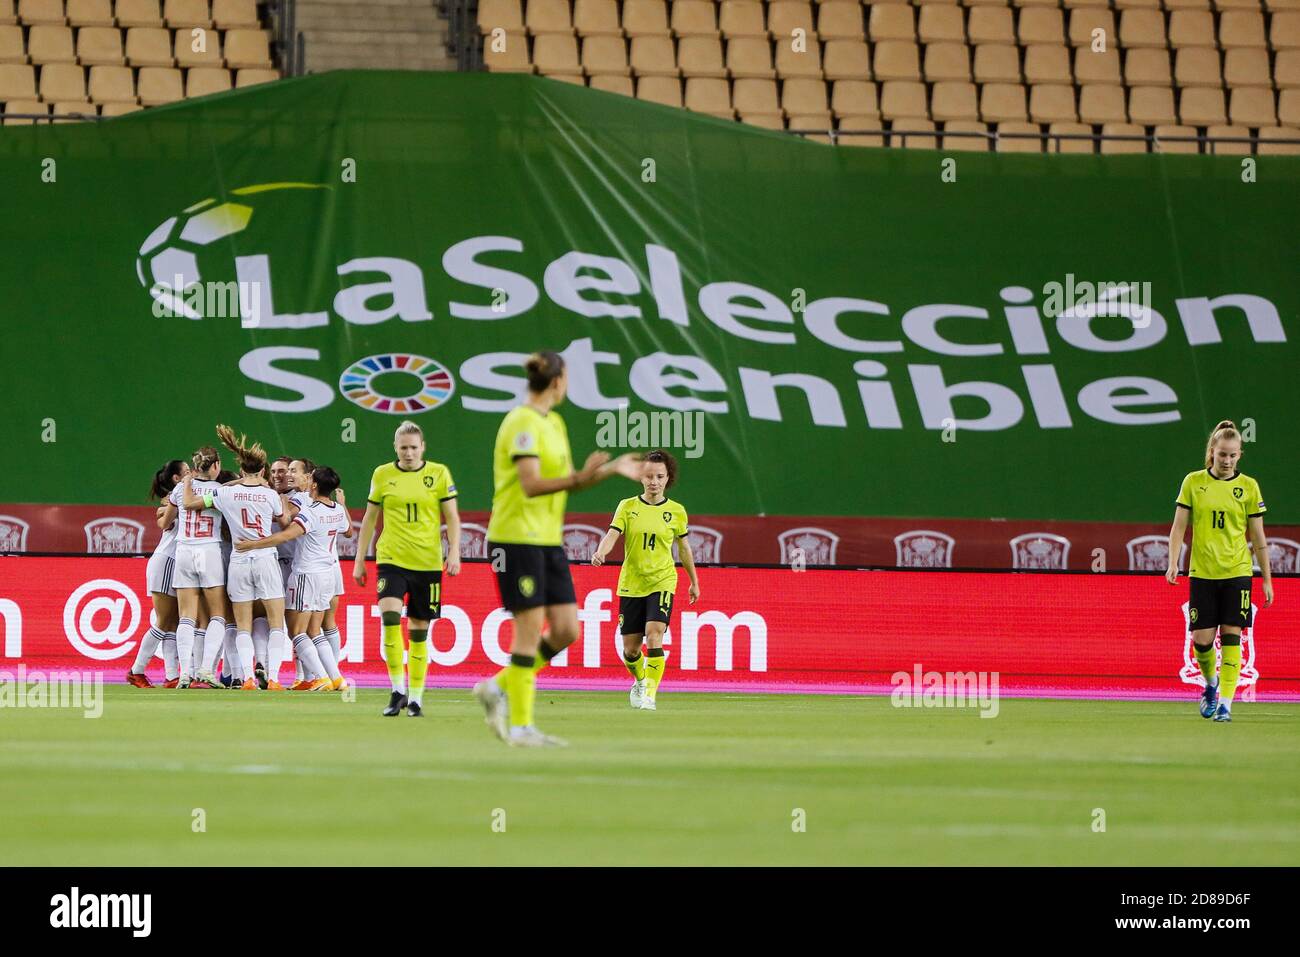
[323, 523]
[250, 510]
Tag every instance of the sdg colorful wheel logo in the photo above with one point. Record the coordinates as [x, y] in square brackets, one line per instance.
[397, 383]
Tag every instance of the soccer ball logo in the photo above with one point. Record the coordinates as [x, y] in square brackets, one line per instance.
[168, 261]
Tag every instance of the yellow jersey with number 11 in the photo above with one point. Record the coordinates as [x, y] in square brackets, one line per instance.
[412, 504]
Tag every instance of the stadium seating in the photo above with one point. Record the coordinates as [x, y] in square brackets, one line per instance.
[110, 58]
[1147, 69]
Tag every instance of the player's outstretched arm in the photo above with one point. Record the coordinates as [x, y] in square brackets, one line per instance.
[605, 547]
[688, 563]
[1255, 529]
[279, 538]
[1176, 533]
[627, 465]
[368, 523]
[191, 501]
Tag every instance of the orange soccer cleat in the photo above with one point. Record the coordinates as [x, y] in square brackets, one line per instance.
[171, 682]
[303, 685]
[248, 685]
[138, 681]
[274, 686]
[339, 685]
[320, 684]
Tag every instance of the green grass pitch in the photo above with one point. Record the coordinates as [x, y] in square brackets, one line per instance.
[707, 779]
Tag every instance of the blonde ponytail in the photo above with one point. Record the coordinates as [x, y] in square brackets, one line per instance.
[1224, 430]
[252, 459]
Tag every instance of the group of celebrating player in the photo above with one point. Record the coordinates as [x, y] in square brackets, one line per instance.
[214, 579]
[203, 584]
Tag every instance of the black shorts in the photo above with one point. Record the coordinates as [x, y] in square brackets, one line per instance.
[1219, 601]
[531, 575]
[422, 591]
[633, 613]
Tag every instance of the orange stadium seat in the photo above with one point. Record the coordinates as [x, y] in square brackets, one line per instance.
[203, 80]
[641, 17]
[695, 18]
[709, 95]
[1003, 103]
[247, 48]
[1270, 148]
[1151, 105]
[253, 76]
[1122, 146]
[201, 49]
[186, 14]
[596, 18]
[158, 85]
[63, 81]
[750, 57]
[1235, 134]
[947, 61]
[901, 99]
[50, 44]
[1073, 144]
[621, 85]
[666, 90]
[111, 84]
[966, 144]
[1047, 63]
[1200, 106]
[891, 21]
[234, 14]
[33, 12]
[803, 97]
[654, 56]
[100, 46]
[148, 46]
[605, 54]
[742, 19]
[854, 98]
[138, 13]
[940, 24]
[548, 16]
[508, 56]
[1102, 103]
[1020, 143]
[954, 100]
[1147, 68]
[556, 53]
[1093, 66]
[1175, 139]
[846, 60]
[90, 13]
[1247, 67]
[897, 60]
[840, 21]
[1052, 103]
[1197, 66]
[12, 49]
[997, 63]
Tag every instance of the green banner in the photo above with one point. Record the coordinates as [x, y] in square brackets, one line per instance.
[821, 331]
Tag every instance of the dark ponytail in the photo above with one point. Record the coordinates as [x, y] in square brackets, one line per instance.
[164, 479]
[543, 368]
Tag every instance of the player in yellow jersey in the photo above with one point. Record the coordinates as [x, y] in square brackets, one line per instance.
[1224, 506]
[649, 524]
[532, 473]
[414, 496]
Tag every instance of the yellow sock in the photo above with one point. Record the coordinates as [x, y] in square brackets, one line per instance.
[521, 688]
[544, 656]
[636, 668]
[654, 670]
[393, 655]
[1229, 671]
[419, 663]
[1205, 658]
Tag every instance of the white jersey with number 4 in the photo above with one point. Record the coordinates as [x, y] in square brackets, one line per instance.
[196, 527]
[323, 523]
[251, 510]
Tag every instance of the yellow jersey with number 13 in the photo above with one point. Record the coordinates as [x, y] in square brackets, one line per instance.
[516, 518]
[412, 504]
[1220, 510]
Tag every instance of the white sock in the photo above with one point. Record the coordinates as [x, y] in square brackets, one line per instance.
[187, 636]
[298, 671]
[332, 636]
[326, 655]
[148, 645]
[306, 651]
[261, 631]
[275, 650]
[212, 639]
[171, 661]
[234, 660]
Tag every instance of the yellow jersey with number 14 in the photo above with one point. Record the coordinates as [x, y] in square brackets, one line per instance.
[412, 504]
[648, 535]
[516, 518]
[1220, 511]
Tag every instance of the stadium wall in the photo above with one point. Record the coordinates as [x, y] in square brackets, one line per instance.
[754, 630]
[834, 333]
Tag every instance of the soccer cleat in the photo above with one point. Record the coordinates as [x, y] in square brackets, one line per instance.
[184, 682]
[227, 681]
[300, 685]
[1223, 714]
[248, 685]
[206, 680]
[414, 710]
[496, 707]
[637, 694]
[274, 685]
[171, 682]
[530, 737]
[259, 675]
[320, 684]
[647, 703]
[396, 702]
[138, 681]
[1210, 699]
[339, 685]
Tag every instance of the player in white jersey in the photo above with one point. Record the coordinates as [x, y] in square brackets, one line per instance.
[252, 510]
[316, 526]
[300, 478]
[198, 569]
[161, 637]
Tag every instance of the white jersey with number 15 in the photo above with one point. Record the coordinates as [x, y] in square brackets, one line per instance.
[323, 523]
